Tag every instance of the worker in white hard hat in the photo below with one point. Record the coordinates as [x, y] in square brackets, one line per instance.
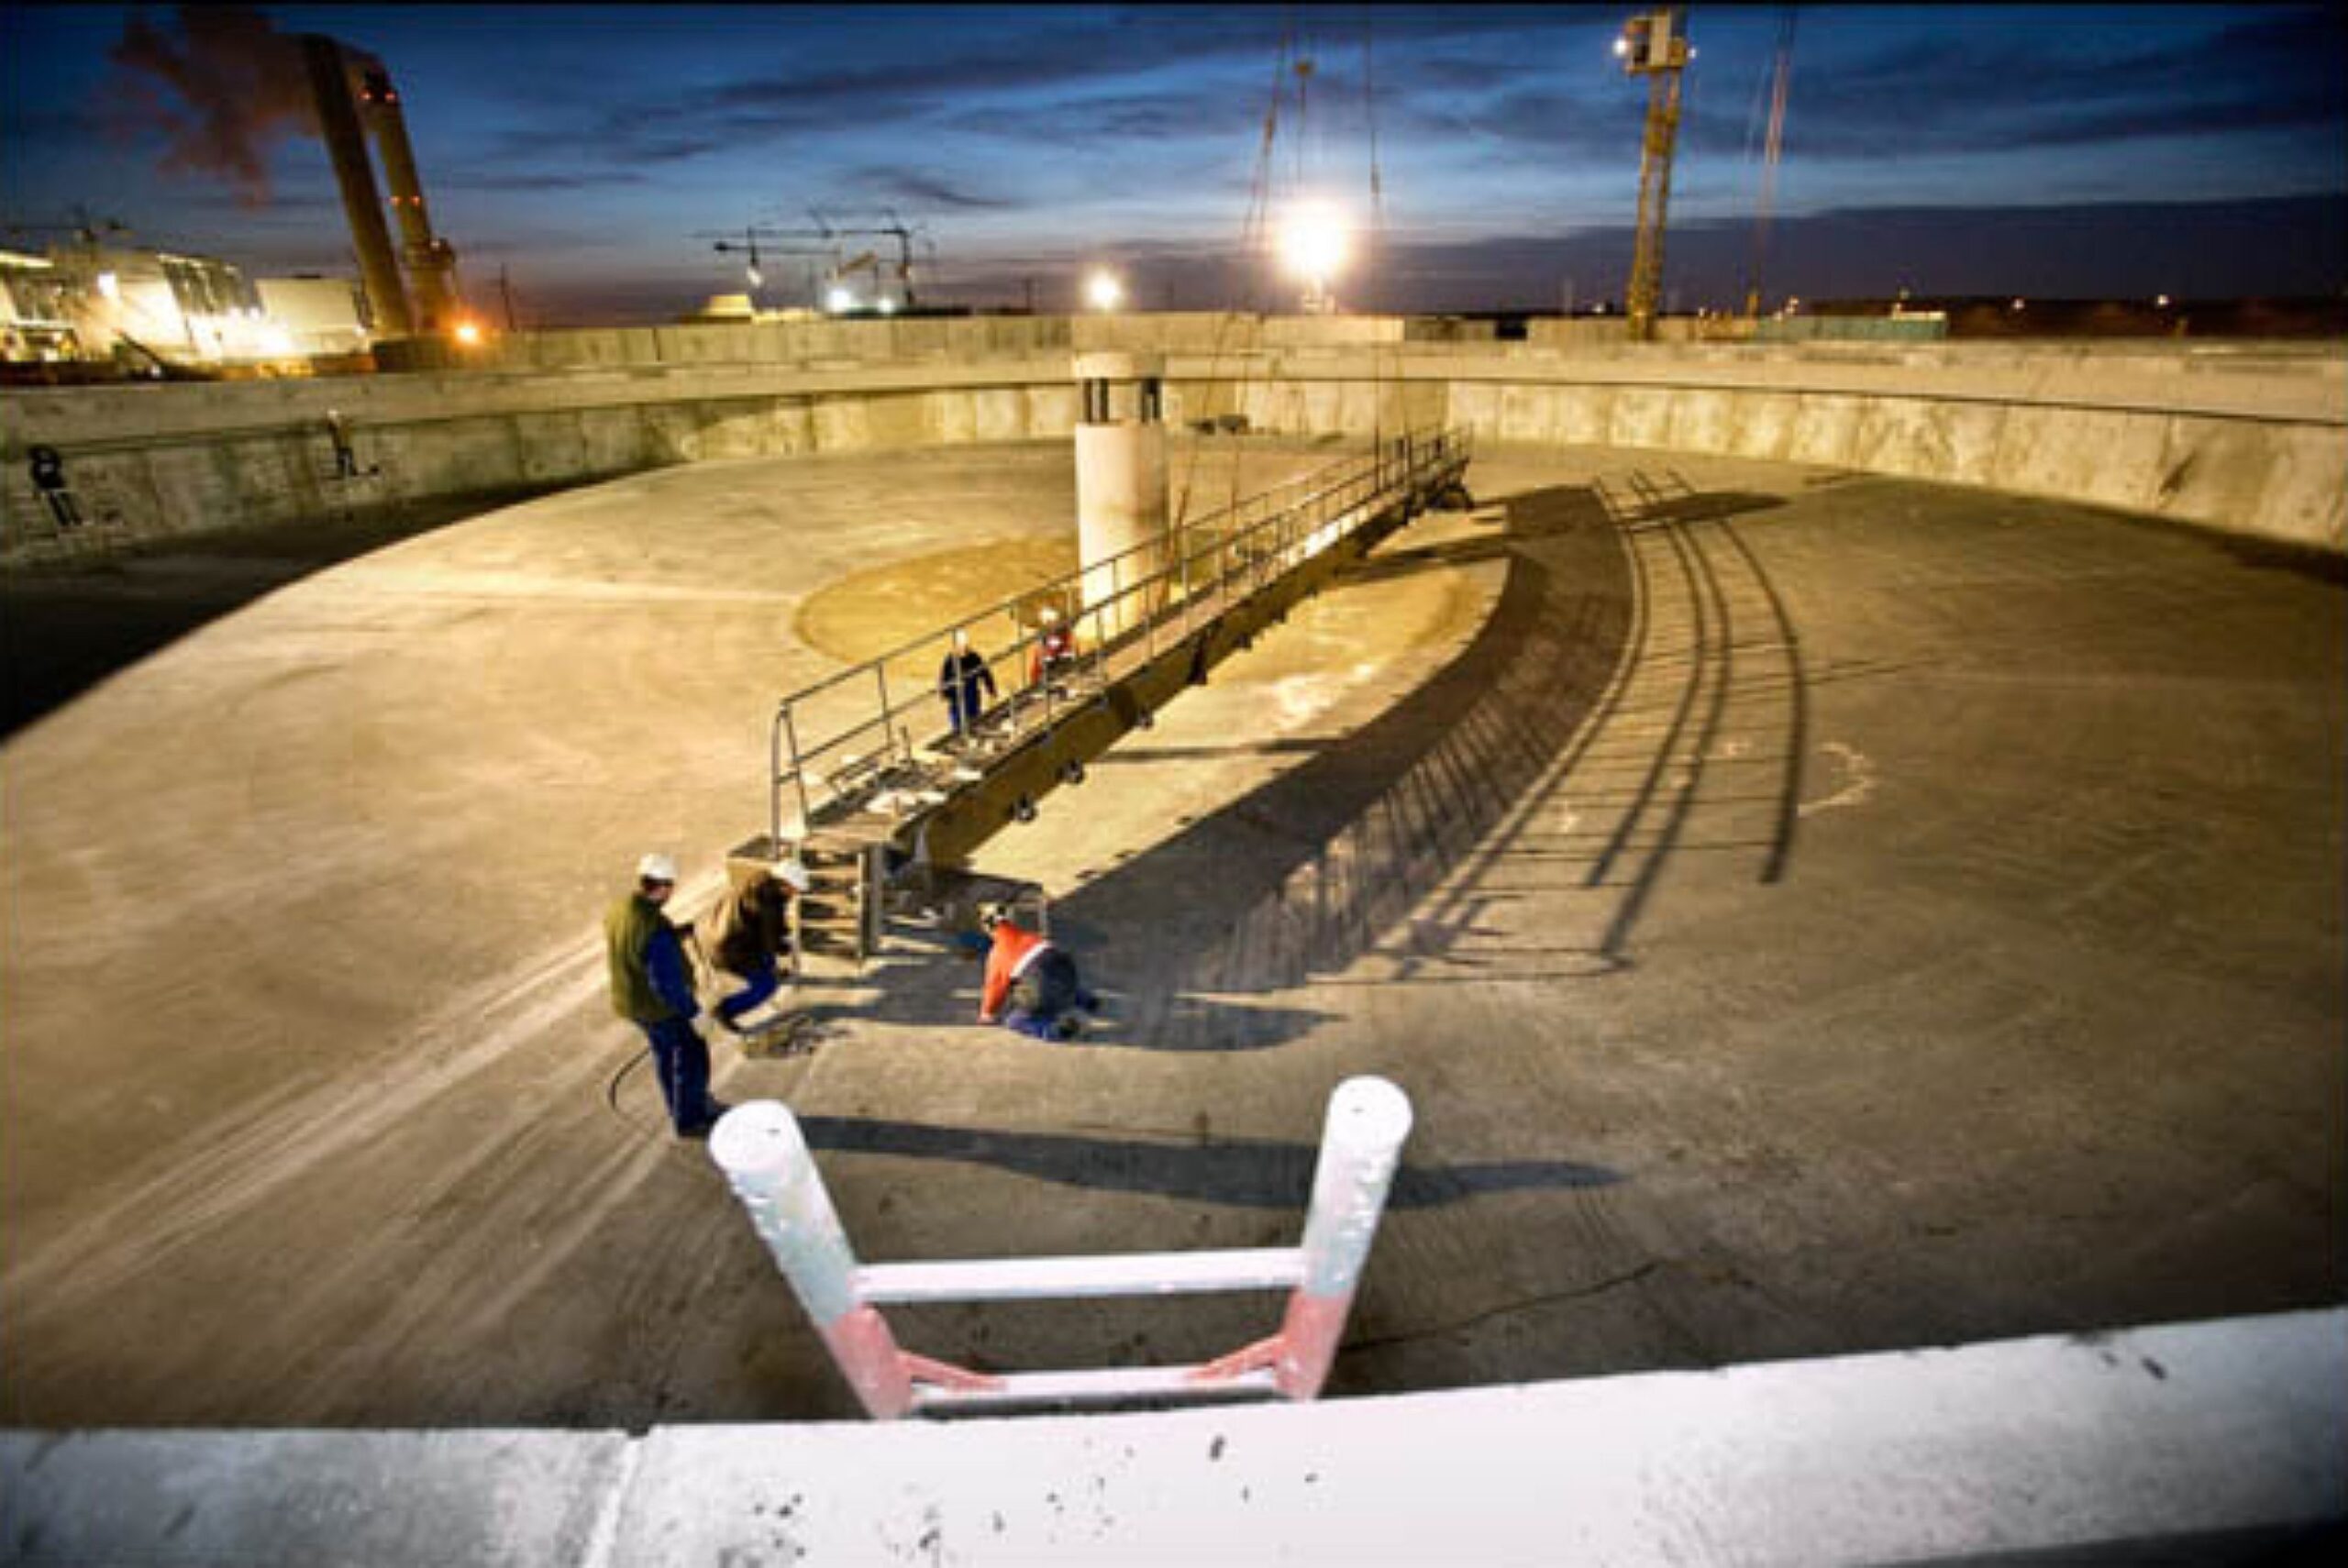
[1054, 657]
[746, 933]
[1030, 986]
[652, 988]
[346, 461]
[964, 684]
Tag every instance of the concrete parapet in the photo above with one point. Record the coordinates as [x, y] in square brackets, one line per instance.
[2216, 1442]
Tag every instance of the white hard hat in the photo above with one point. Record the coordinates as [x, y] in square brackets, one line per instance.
[793, 875]
[657, 868]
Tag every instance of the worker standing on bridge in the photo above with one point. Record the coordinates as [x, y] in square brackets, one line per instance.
[652, 988]
[1055, 649]
[1038, 979]
[747, 932]
[960, 680]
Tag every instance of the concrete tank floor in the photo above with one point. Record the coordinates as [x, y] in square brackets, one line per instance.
[1843, 914]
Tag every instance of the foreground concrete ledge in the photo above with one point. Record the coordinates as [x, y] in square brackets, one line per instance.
[2232, 1432]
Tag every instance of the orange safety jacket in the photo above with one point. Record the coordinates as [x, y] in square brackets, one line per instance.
[1013, 950]
[1054, 649]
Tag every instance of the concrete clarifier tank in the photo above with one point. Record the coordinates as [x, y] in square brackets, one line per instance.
[1120, 487]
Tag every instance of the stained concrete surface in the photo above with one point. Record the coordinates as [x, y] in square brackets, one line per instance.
[67, 625]
[1829, 914]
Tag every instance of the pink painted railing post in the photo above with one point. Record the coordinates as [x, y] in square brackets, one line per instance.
[1360, 1146]
[765, 1158]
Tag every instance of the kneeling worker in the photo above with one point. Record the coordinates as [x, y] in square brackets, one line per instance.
[1038, 980]
[748, 932]
[652, 988]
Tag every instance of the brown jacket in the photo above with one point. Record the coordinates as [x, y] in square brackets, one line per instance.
[746, 932]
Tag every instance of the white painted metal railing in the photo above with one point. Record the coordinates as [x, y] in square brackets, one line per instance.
[765, 1157]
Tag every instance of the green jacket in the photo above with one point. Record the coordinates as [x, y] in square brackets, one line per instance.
[628, 933]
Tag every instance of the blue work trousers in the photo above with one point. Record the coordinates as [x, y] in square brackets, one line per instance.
[964, 703]
[1049, 989]
[755, 990]
[681, 1057]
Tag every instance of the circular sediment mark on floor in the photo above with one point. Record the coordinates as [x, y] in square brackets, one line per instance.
[869, 613]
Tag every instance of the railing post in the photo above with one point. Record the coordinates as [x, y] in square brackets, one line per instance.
[798, 778]
[1361, 1142]
[880, 677]
[765, 1158]
[1149, 611]
[1183, 543]
[774, 779]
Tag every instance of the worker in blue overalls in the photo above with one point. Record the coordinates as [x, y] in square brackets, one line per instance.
[960, 680]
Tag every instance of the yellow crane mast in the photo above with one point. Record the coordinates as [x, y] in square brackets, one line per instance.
[1653, 45]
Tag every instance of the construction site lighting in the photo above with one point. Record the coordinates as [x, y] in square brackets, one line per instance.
[885, 305]
[468, 332]
[838, 300]
[1314, 243]
[109, 285]
[1103, 292]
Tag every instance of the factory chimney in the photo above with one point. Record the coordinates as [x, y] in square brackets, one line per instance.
[429, 261]
[346, 145]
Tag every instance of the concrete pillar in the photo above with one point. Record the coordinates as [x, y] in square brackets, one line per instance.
[1119, 488]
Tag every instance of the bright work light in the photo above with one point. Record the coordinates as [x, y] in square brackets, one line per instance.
[1314, 243]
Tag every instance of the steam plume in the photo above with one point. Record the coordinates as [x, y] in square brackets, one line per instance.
[225, 90]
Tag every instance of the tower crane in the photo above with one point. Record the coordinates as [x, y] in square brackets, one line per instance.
[892, 229]
[758, 244]
[760, 240]
[1655, 45]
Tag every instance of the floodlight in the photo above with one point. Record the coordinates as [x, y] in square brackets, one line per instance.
[1314, 243]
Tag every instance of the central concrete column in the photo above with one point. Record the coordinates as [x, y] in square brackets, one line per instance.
[1120, 487]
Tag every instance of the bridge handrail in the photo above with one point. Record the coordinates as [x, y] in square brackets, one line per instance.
[1340, 496]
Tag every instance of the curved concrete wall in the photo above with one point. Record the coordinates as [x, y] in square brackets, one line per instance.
[146, 462]
[2250, 439]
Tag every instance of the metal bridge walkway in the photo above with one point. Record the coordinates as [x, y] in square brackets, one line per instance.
[858, 798]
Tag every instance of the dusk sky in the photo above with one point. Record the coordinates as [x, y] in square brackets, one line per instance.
[2069, 150]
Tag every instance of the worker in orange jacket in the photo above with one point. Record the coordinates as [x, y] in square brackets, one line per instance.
[1038, 981]
[1054, 658]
